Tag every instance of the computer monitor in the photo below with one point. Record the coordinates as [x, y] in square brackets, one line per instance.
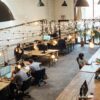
[84, 89]
[4, 71]
[46, 37]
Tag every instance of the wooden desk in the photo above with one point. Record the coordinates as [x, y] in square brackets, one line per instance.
[39, 53]
[71, 92]
[35, 53]
[54, 51]
[4, 84]
[94, 66]
[90, 68]
[93, 58]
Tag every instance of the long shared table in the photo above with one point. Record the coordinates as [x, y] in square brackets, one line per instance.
[71, 92]
[40, 53]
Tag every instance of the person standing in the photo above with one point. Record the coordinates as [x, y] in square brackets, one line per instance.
[18, 52]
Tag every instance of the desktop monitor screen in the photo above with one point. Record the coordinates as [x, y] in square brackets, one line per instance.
[46, 37]
[84, 89]
[5, 70]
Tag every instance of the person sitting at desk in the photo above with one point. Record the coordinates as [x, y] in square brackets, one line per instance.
[34, 66]
[42, 46]
[81, 61]
[37, 72]
[19, 76]
[61, 44]
[18, 52]
[55, 35]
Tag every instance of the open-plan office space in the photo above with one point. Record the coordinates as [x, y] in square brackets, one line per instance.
[49, 50]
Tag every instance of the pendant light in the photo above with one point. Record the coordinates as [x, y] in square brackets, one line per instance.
[5, 13]
[41, 3]
[99, 2]
[64, 3]
[82, 3]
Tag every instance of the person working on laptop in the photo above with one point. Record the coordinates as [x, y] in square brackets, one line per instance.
[17, 79]
[81, 60]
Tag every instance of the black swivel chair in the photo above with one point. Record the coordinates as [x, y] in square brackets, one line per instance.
[25, 87]
[39, 77]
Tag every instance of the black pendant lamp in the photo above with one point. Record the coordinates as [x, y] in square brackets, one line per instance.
[5, 13]
[82, 3]
[99, 2]
[64, 3]
[41, 3]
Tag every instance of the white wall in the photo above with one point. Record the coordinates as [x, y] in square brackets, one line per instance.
[29, 9]
[26, 10]
[67, 11]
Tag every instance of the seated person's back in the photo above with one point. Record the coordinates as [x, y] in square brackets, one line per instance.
[62, 44]
[34, 66]
[20, 76]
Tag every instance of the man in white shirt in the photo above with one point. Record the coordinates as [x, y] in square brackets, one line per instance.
[34, 66]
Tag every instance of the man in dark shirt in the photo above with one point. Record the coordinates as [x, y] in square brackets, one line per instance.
[18, 52]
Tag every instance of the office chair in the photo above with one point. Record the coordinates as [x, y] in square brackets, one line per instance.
[25, 87]
[39, 77]
[5, 93]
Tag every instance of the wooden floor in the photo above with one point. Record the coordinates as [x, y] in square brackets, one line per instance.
[97, 90]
